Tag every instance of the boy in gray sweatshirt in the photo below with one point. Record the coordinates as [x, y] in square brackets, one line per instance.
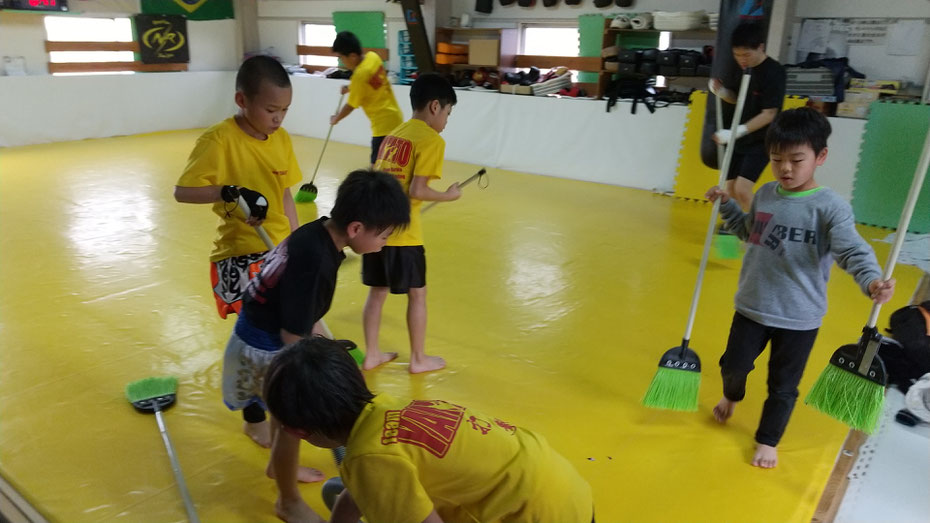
[794, 230]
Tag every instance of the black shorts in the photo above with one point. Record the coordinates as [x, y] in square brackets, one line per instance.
[375, 145]
[400, 268]
[749, 164]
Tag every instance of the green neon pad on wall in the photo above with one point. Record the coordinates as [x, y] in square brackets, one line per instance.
[891, 147]
[590, 37]
[368, 26]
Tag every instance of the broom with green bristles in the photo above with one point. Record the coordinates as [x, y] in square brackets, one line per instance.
[726, 245]
[307, 192]
[676, 384]
[852, 387]
[153, 395]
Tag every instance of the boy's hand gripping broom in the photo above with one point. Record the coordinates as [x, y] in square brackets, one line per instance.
[676, 384]
[308, 191]
[476, 176]
[153, 395]
[852, 387]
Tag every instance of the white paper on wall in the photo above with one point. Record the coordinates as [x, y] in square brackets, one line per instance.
[814, 36]
[905, 37]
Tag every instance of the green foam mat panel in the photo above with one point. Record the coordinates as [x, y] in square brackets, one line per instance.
[368, 26]
[590, 39]
[891, 147]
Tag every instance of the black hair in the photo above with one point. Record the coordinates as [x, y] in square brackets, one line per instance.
[347, 43]
[257, 69]
[315, 385]
[372, 197]
[748, 34]
[428, 87]
[801, 126]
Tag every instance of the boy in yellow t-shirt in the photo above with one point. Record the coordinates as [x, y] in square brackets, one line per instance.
[413, 153]
[369, 89]
[414, 461]
[250, 155]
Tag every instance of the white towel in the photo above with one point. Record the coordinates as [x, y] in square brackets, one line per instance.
[642, 21]
[620, 22]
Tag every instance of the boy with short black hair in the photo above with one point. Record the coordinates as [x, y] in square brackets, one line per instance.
[794, 229]
[414, 461]
[413, 153]
[368, 88]
[249, 154]
[293, 291]
[763, 102]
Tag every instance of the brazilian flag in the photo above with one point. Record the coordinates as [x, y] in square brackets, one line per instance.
[192, 9]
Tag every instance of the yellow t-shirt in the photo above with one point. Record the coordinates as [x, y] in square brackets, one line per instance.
[406, 458]
[413, 149]
[369, 89]
[226, 155]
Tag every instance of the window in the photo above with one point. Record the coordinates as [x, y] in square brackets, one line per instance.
[80, 29]
[549, 41]
[318, 35]
[540, 40]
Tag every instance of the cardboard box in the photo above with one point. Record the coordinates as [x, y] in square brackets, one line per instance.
[516, 89]
[484, 52]
[882, 86]
[853, 110]
[861, 97]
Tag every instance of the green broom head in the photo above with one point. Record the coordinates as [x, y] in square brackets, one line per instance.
[353, 350]
[306, 194]
[152, 394]
[676, 384]
[843, 393]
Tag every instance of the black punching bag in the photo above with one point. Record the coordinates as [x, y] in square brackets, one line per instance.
[732, 13]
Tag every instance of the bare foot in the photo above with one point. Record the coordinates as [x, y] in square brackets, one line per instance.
[259, 432]
[375, 358]
[304, 474]
[426, 364]
[766, 457]
[724, 410]
[295, 510]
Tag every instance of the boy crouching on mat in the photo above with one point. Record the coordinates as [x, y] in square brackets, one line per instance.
[421, 460]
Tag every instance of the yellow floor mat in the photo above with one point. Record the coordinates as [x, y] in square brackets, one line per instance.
[552, 301]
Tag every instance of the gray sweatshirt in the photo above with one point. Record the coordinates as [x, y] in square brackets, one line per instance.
[792, 242]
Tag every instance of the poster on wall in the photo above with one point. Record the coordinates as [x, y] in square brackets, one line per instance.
[192, 9]
[162, 39]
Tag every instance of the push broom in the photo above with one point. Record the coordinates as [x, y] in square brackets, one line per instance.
[153, 395]
[852, 387]
[726, 246]
[676, 384]
[307, 192]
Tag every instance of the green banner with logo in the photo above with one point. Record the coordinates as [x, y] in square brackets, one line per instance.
[192, 9]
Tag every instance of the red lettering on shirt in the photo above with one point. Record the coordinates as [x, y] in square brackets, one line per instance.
[378, 79]
[506, 426]
[430, 425]
[395, 150]
[279, 173]
[479, 424]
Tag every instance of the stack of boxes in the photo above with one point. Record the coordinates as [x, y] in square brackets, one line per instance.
[447, 53]
[860, 95]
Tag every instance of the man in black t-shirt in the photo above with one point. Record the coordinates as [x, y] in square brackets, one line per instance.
[283, 302]
[763, 102]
